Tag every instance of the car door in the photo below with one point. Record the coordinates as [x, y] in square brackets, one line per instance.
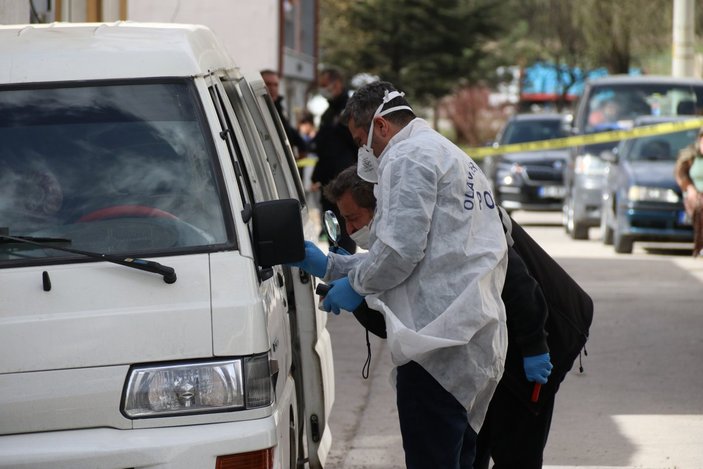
[313, 365]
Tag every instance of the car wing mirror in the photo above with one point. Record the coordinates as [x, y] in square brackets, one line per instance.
[278, 232]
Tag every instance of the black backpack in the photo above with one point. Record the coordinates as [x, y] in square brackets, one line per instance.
[570, 313]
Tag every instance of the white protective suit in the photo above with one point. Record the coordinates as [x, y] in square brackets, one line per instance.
[436, 265]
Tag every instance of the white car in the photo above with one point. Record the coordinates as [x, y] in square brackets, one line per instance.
[148, 199]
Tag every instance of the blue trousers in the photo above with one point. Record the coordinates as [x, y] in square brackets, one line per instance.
[434, 425]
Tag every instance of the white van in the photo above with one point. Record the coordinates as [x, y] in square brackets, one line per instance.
[148, 197]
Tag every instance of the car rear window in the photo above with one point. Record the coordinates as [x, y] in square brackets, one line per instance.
[611, 107]
[532, 130]
[664, 147]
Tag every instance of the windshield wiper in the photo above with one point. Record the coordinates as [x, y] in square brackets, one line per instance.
[168, 273]
[40, 240]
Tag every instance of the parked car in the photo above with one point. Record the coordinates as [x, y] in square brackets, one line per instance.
[148, 204]
[641, 200]
[530, 180]
[612, 103]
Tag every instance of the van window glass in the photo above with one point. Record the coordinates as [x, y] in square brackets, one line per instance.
[114, 168]
[257, 164]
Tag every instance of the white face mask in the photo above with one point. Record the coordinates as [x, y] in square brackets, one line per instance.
[361, 236]
[367, 163]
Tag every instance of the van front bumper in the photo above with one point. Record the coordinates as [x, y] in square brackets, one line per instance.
[184, 447]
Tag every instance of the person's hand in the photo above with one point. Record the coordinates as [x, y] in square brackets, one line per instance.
[691, 197]
[315, 187]
[341, 296]
[339, 250]
[315, 261]
[537, 368]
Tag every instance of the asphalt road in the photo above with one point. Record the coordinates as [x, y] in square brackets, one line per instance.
[639, 402]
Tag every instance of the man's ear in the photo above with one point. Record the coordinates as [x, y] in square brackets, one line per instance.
[383, 127]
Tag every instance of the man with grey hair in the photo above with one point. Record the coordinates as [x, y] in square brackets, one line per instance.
[435, 268]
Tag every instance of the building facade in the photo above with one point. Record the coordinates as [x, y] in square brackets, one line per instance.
[279, 35]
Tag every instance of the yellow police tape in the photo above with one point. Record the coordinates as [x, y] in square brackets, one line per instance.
[305, 162]
[590, 139]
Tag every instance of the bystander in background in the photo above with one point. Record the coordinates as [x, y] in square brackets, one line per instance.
[333, 144]
[689, 177]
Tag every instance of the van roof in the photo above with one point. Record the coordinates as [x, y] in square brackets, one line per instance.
[94, 51]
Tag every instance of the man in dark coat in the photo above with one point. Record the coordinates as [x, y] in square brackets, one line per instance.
[333, 143]
[272, 82]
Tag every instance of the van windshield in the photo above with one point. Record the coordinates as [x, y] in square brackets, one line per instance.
[109, 168]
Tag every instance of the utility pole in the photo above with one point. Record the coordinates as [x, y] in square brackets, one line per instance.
[682, 62]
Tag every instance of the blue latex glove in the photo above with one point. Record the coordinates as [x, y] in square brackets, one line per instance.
[341, 296]
[339, 250]
[315, 261]
[537, 368]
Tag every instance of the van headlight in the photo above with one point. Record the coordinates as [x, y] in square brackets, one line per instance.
[652, 194]
[192, 388]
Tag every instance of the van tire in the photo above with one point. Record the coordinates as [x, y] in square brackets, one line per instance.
[579, 231]
[606, 232]
[623, 244]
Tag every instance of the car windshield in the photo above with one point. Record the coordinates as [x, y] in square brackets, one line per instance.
[532, 130]
[664, 147]
[113, 168]
[613, 107]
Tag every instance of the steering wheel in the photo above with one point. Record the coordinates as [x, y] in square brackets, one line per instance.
[122, 211]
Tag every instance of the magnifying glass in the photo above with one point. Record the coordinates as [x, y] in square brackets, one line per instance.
[332, 228]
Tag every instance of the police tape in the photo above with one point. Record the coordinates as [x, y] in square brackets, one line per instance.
[305, 162]
[589, 139]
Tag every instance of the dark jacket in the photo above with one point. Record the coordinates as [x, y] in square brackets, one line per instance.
[333, 143]
[569, 317]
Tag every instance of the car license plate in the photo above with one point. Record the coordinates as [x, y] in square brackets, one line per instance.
[552, 192]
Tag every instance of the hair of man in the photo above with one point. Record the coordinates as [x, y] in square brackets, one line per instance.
[333, 74]
[348, 181]
[363, 104]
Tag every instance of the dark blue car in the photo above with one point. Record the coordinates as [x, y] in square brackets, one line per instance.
[532, 180]
[641, 200]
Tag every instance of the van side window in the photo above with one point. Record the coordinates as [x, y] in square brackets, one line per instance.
[279, 155]
[242, 159]
[253, 157]
[248, 191]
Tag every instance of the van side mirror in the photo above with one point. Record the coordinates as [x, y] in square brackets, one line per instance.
[278, 232]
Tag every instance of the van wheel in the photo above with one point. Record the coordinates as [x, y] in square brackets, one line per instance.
[579, 231]
[606, 232]
[623, 244]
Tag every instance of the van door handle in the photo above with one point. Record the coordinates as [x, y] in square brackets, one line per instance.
[279, 280]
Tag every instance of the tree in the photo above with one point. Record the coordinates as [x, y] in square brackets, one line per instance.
[425, 47]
